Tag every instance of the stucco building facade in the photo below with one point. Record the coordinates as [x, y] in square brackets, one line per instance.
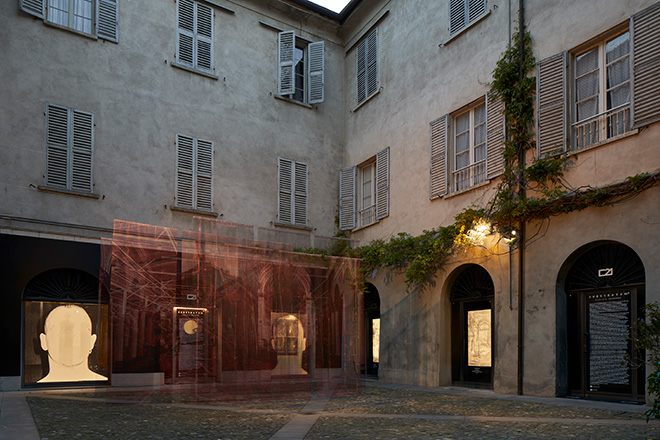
[284, 117]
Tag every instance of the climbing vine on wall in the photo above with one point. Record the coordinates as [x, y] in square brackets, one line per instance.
[527, 192]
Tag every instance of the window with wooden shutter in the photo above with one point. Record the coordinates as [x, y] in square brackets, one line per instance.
[286, 43]
[96, 17]
[645, 30]
[551, 105]
[316, 72]
[438, 171]
[292, 192]
[69, 148]
[195, 35]
[367, 67]
[347, 198]
[194, 173]
[494, 137]
[300, 68]
[383, 184]
[462, 13]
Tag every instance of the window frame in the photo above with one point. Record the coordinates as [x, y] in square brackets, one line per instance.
[292, 193]
[474, 173]
[104, 17]
[313, 67]
[364, 213]
[370, 84]
[196, 38]
[602, 130]
[69, 148]
[196, 172]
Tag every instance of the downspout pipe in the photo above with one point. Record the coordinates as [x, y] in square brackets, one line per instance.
[521, 236]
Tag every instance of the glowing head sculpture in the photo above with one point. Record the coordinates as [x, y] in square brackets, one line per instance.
[68, 339]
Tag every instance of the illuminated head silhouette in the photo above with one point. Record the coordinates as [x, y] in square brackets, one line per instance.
[68, 339]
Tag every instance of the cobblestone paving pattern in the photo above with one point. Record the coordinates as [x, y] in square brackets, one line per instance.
[372, 413]
[61, 419]
[341, 428]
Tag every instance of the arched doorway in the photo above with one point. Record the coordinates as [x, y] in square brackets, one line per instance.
[372, 330]
[604, 296]
[471, 299]
[66, 338]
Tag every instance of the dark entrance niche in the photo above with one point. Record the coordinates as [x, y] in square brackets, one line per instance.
[601, 296]
[471, 321]
[372, 329]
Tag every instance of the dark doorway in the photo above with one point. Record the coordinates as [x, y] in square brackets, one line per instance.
[372, 330]
[605, 296]
[471, 322]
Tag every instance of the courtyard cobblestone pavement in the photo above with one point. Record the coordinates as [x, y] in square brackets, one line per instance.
[372, 411]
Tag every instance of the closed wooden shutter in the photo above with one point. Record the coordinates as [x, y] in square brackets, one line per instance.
[185, 168]
[372, 63]
[494, 137]
[32, 7]
[57, 146]
[476, 8]
[81, 150]
[204, 36]
[300, 194]
[316, 72]
[107, 20]
[551, 94]
[186, 32]
[361, 71]
[645, 34]
[457, 15]
[383, 183]
[285, 190]
[439, 133]
[204, 175]
[347, 198]
[286, 43]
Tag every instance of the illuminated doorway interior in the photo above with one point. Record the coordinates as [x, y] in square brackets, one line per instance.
[372, 330]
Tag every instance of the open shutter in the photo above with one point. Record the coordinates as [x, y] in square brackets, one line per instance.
[439, 134]
[82, 150]
[300, 194]
[645, 31]
[316, 72]
[107, 22]
[57, 146]
[383, 183]
[204, 36]
[184, 171]
[372, 63]
[285, 190]
[204, 174]
[286, 43]
[551, 104]
[494, 137]
[32, 7]
[457, 15]
[347, 198]
[185, 32]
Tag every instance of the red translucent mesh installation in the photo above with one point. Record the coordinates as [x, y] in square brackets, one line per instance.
[234, 307]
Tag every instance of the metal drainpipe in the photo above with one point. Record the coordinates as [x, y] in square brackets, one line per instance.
[521, 238]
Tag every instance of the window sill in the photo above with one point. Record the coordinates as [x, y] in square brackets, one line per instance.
[194, 211]
[69, 192]
[292, 101]
[193, 70]
[466, 190]
[632, 132]
[66, 28]
[457, 34]
[292, 226]
[359, 228]
[366, 100]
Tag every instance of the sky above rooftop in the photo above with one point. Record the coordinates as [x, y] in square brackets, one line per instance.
[333, 5]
